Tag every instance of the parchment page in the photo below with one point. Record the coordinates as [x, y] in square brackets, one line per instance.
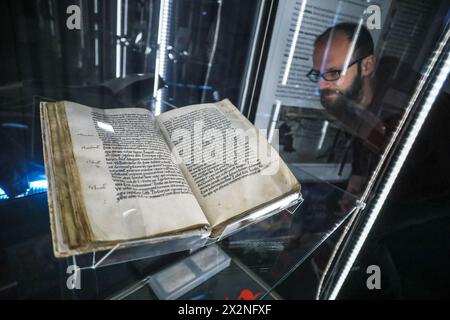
[224, 158]
[130, 185]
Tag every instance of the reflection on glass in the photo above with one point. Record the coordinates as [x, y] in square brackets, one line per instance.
[353, 76]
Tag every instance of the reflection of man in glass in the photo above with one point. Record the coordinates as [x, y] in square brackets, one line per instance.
[344, 67]
[344, 75]
[367, 96]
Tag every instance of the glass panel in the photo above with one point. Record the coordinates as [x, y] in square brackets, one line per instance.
[261, 256]
[343, 80]
[339, 78]
[274, 249]
[110, 61]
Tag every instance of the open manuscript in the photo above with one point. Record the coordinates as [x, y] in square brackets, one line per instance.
[117, 175]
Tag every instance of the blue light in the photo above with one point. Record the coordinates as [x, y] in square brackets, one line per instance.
[3, 196]
[37, 186]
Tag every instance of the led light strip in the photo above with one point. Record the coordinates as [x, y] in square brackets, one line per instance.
[160, 66]
[118, 35]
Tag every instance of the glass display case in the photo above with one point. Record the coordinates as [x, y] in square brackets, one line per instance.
[344, 90]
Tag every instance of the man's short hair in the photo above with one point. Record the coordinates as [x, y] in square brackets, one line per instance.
[364, 42]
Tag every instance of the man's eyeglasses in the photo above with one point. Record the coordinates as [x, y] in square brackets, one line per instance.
[332, 75]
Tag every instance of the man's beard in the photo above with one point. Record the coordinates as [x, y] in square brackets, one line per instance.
[342, 98]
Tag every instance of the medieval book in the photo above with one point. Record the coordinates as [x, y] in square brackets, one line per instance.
[117, 175]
